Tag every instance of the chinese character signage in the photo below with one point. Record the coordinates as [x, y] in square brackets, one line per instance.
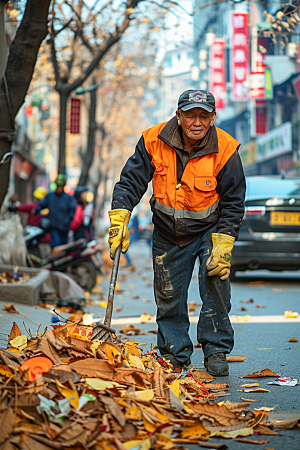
[240, 55]
[218, 72]
[75, 116]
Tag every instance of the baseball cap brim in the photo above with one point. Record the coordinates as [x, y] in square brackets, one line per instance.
[195, 105]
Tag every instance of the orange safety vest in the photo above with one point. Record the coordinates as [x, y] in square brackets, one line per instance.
[195, 197]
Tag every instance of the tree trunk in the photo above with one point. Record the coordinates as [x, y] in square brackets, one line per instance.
[18, 73]
[63, 101]
[88, 159]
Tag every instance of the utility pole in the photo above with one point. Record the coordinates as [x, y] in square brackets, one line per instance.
[3, 47]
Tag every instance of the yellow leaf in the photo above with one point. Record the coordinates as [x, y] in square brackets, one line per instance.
[5, 371]
[149, 426]
[233, 434]
[68, 393]
[291, 315]
[13, 350]
[111, 352]
[197, 430]
[147, 394]
[97, 290]
[20, 342]
[155, 29]
[95, 345]
[103, 304]
[133, 414]
[145, 20]
[145, 317]
[144, 444]
[135, 361]
[175, 387]
[187, 409]
[101, 385]
[243, 318]
[163, 442]
[131, 444]
[250, 385]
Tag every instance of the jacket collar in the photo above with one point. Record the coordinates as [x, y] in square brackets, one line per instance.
[171, 134]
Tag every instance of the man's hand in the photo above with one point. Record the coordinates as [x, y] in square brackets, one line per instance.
[118, 231]
[219, 261]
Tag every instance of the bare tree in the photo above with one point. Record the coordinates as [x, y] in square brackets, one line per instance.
[17, 76]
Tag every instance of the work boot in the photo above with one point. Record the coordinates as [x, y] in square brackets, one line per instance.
[217, 365]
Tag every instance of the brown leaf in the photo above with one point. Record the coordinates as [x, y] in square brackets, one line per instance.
[285, 424]
[261, 429]
[93, 367]
[236, 407]
[48, 349]
[7, 421]
[293, 339]
[62, 375]
[73, 435]
[249, 400]
[251, 441]
[260, 306]
[247, 301]
[220, 413]
[236, 358]
[201, 376]
[262, 373]
[215, 386]
[115, 409]
[131, 376]
[159, 384]
[153, 331]
[15, 332]
[9, 308]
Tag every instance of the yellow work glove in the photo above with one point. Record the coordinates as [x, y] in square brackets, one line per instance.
[118, 231]
[219, 261]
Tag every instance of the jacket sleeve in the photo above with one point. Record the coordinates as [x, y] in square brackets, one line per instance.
[44, 203]
[77, 219]
[232, 189]
[135, 176]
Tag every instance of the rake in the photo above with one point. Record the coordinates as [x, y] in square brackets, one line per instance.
[102, 331]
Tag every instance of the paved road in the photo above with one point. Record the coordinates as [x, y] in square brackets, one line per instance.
[263, 338]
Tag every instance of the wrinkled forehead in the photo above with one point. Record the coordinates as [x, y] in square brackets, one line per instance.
[195, 111]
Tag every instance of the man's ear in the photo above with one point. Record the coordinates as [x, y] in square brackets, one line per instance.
[214, 113]
[178, 117]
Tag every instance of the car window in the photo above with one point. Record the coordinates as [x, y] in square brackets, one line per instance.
[272, 187]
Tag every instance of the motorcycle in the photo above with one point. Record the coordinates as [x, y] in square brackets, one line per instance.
[80, 260]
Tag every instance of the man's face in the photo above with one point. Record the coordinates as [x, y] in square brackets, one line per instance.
[195, 122]
[59, 190]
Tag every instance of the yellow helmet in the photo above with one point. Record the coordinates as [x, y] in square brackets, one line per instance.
[40, 192]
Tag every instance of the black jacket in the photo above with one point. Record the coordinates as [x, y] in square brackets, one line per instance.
[231, 186]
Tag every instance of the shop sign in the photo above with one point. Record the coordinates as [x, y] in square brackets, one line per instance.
[275, 142]
[240, 55]
[261, 87]
[75, 116]
[248, 153]
[218, 72]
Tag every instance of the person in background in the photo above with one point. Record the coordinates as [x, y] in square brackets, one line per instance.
[29, 208]
[61, 211]
[82, 223]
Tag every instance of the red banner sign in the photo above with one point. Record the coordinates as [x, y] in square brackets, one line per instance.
[75, 116]
[218, 72]
[240, 55]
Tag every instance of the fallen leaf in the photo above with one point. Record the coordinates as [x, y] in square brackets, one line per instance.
[135, 361]
[249, 400]
[236, 407]
[236, 358]
[293, 339]
[102, 304]
[20, 342]
[153, 331]
[201, 376]
[47, 348]
[260, 306]
[159, 384]
[264, 408]
[135, 297]
[92, 367]
[249, 385]
[220, 413]
[212, 445]
[291, 315]
[254, 390]
[284, 424]
[243, 308]
[195, 431]
[251, 441]
[147, 394]
[262, 429]
[9, 308]
[247, 301]
[101, 385]
[262, 373]
[68, 393]
[115, 409]
[145, 317]
[133, 414]
[14, 332]
[192, 307]
[233, 434]
[243, 318]
[7, 421]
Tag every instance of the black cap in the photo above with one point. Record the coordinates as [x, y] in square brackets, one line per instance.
[80, 190]
[196, 99]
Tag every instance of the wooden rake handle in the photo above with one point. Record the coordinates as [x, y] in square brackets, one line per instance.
[112, 287]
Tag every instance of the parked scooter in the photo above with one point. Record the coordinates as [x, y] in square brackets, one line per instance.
[80, 260]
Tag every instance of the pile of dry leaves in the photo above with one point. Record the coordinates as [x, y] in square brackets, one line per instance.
[61, 390]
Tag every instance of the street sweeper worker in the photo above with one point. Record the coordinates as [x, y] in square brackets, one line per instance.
[197, 204]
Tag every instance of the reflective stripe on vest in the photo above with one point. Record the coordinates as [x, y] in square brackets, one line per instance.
[185, 214]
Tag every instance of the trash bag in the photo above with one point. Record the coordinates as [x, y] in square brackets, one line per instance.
[12, 245]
